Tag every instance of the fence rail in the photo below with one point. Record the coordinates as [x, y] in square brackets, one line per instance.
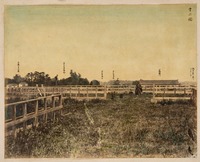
[36, 109]
[88, 92]
[76, 92]
[161, 93]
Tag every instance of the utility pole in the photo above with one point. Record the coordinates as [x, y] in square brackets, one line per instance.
[18, 66]
[102, 74]
[63, 67]
[159, 72]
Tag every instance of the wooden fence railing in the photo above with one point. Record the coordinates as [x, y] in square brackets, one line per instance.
[24, 114]
[76, 92]
[81, 93]
[30, 112]
[88, 92]
[151, 88]
[161, 93]
[194, 97]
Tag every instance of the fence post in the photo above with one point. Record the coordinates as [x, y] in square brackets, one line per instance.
[60, 104]
[87, 92]
[70, 92]
[61, 91]
[60, 100]
[153, 91]
[53, 91]
[45, 103]
[45, 109]
[14, 112]
[44, 91]
[36, 113]
[194, 96]
[24, 115]
[78, 95]
[14, 131]
[53, 102]
[14, 118]
[36, 89]
[96, 93]
[164, 94]
[25, 109]
[105, 92]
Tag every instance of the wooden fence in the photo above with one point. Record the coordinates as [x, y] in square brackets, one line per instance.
[25, 114]
[87, 92]
[77, 92]
[161, 93]
[194, 96]
[151, 88]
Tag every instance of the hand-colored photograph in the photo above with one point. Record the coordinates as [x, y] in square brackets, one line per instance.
[100, 81]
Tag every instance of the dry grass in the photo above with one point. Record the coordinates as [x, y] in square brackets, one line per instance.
[122, 128]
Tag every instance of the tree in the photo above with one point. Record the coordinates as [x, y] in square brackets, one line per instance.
[47, 80]
[94, 82]
[116, 82]
[74, 79]
[83, 81]
[33, 78]
[17, 79]
[9, 81]
[135, 82]
[38, 78]
[29, 78]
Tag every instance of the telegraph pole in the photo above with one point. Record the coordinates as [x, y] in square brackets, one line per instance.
[63, 67]
[18, 66]
[159, 72]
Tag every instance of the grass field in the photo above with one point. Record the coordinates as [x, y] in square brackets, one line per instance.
[125, 127]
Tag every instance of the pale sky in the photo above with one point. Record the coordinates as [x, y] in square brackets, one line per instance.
[133, 40]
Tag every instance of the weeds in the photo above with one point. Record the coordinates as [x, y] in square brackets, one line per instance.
[123, 127]
[180, 102]
[169, 137]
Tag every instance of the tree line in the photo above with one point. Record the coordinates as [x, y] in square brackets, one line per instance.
[38, 78]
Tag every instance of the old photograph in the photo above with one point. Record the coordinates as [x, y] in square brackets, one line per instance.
[100, 81]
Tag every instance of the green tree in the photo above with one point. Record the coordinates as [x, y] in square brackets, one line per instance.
[17, 79]
[74, 79]
[94, 82]
[38, 78]
[116, 82]
[29, 78]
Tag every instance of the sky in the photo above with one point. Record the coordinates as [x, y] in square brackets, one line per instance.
[133, 40]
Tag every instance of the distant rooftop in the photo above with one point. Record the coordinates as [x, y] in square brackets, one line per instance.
[159, 82]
